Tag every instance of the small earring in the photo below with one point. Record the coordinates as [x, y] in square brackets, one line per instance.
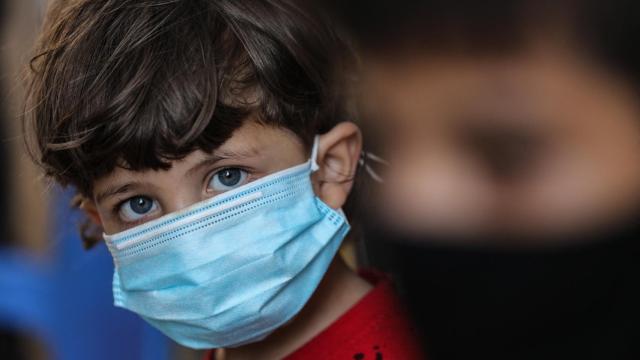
[365, 158]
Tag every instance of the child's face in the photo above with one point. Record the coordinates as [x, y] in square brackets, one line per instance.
[538, 143]
[126, 198]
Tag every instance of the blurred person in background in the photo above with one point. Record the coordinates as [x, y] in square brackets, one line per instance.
[509, 210]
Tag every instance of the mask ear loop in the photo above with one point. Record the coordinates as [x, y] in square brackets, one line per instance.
[315, 167]
[314, 154]
[365, 157]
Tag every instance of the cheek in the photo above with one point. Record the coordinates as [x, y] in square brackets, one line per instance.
[109, 226]
[587, 181]
[436, 192]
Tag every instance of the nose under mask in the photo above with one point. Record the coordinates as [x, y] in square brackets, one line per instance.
[232, 269]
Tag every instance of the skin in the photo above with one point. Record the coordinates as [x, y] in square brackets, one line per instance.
[259, 150]
[542, 142]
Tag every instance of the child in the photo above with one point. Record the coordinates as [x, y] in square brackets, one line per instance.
[207, 141]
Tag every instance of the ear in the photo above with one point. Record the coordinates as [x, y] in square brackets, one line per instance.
[338, 154]
[90, 209]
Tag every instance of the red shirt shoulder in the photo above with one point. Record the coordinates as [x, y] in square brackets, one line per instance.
[375, 328]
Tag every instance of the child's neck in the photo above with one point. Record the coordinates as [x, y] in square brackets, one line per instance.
[339, 290]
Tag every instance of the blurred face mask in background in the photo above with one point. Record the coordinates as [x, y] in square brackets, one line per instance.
[232, 269]
[577, 301]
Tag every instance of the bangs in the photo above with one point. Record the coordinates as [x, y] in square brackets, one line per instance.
[138, 84]
[163, 107]
[143, 90]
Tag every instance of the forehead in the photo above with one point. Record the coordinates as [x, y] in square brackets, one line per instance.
[548, 85]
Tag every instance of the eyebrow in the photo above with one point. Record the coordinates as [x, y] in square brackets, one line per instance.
[222, 154]
[115, 190]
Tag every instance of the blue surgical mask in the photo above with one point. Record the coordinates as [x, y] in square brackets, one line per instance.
[232, 269]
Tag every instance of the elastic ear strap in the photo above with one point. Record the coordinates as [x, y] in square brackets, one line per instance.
[314, 154]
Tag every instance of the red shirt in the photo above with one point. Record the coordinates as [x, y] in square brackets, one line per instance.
[375, 328]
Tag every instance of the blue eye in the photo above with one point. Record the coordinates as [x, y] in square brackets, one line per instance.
[137, 208]
[227, 179]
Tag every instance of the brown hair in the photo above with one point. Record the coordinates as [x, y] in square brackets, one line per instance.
[137, 84]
